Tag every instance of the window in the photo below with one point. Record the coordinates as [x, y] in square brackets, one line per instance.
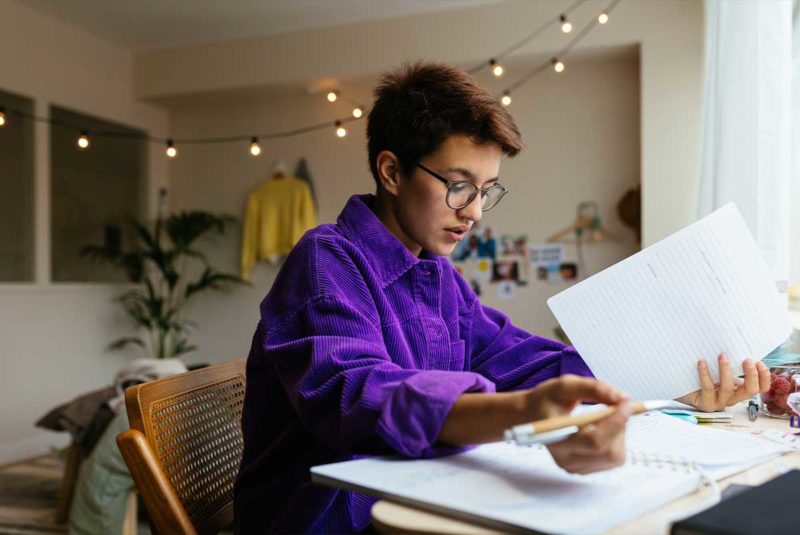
[16, 190]
[94, 191]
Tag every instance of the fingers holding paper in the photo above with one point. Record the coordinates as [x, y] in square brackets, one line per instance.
[730, 390]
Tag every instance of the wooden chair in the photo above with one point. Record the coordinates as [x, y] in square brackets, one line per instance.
[184, 447]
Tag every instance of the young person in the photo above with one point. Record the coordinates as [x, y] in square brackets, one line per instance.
[370, 342]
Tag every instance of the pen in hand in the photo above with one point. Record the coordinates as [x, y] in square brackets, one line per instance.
[560, 427]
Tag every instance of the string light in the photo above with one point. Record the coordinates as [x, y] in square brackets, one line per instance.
[566, 26]
[83, 140]
[359, 111]
[255, 148]
[497, 69]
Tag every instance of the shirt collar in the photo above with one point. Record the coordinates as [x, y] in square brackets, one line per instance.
[386, 254]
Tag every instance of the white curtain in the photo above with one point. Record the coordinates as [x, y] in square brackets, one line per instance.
[794, 244]
[747, 146]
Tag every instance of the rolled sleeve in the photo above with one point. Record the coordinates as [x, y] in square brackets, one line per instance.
[431, 394]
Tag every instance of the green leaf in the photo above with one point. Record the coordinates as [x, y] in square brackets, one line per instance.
[157, 266]
[143, 232]
[133, 264]
[123, 342]
[185, 227]
[101, 253]
[183, 347]
[211, 279]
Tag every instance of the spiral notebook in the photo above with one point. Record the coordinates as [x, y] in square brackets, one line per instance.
[521, 489]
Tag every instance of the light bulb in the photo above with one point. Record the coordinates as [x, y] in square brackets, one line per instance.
[566, 26]
[332, 96]
[340, 130]
[602, 18]
[497, 69]
[255, 148]
[83, 140]
[2, 116]
[558, 65]
[358, 112]
[171, 150]
[506, 99]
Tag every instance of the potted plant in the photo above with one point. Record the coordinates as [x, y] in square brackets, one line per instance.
[161, 267]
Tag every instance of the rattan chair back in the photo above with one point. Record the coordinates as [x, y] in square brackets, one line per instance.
[185, 445]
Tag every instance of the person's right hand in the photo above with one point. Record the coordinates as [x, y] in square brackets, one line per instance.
[595, 447]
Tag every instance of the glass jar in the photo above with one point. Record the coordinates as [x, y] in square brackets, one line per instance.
[784, 380]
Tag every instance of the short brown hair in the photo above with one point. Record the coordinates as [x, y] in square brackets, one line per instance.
[418, 106]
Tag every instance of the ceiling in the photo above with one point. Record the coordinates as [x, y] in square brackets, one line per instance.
[143, 25]
[361, 86]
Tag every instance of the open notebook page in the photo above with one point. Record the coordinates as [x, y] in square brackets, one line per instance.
[503, 485]
[506, 486]
[643, 323]
[719, 452]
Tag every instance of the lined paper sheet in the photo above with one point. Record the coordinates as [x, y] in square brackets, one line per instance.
[505, 486]
[643, 323]
[720, 452]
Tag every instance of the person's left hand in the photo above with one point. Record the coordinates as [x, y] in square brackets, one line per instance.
[730, 390]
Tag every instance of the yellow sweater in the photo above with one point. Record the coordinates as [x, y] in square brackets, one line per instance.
[278, 213]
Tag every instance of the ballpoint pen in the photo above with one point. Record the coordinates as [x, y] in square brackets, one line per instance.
[752, 410]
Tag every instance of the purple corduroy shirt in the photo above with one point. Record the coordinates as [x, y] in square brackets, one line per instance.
[362, 348]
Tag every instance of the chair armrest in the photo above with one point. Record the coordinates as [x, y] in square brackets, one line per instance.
[166, 511]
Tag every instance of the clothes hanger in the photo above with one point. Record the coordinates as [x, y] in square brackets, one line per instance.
[586, 228]
[279, 170]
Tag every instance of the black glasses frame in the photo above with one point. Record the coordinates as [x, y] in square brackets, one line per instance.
[452, 183]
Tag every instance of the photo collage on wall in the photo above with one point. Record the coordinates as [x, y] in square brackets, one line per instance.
[508, 261]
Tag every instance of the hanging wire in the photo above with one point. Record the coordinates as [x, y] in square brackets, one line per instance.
[564, 51]
[182, 141]
[536, 33]
[336, 122]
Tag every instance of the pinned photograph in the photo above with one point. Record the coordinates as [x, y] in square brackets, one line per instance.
[506, 269]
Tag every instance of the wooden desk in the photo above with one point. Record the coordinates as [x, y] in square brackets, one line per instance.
[390, 517]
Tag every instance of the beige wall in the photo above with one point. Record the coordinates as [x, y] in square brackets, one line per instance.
[54, 336]
[584, 135]
[581, 129]
[670, 33]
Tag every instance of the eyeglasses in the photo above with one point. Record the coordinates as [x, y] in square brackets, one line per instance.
[462, 193]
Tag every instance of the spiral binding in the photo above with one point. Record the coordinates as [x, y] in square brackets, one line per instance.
[661, 460]
[664, 461]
